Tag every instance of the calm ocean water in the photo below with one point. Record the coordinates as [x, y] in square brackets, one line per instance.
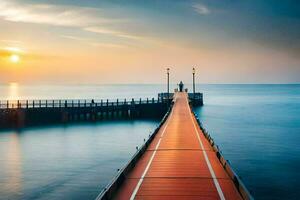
[257, 127]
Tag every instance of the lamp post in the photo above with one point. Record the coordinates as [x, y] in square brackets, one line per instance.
[168, 83]
[194, 83]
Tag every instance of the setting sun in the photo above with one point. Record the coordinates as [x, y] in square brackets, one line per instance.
[14, 58]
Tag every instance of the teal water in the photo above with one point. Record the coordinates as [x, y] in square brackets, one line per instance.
[71, 162]
[257, 127]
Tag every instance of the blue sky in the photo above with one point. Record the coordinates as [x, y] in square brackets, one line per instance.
[229, 41]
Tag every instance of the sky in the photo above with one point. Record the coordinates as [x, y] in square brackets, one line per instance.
[117, 41]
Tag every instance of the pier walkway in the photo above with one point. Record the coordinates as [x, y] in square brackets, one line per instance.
[179, 163]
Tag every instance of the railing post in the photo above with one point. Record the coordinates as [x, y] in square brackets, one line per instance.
[101, 102]
[7, 104]
[66, 104]
[152, 100]
[46, 103]
[32, 103]
[72, 103]
[147, 100]
[124, 101]
[53, 104]
[27, 104]
[140, 100]
[117, 102]
[40, 103]
[107, 102]
[132, 101]
[78, 103]
[18, 104]
[84, 103]
[59, 103]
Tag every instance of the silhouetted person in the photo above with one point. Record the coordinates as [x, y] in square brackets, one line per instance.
[180, 86]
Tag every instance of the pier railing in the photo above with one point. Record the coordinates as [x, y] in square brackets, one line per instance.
[225, 163]
[21, 113]
[68, 103]
[196, 99]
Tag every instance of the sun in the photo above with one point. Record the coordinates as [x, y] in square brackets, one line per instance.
[14, 58]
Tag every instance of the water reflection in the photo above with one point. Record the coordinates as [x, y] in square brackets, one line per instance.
[66, 162]
[13, 91]
[12, 164]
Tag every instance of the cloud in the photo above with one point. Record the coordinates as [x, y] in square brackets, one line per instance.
[58, 15]
[109, 45]
[71, 37]
[4, 53]
[13, 49]
[10, 41]
[111, 32]
[93, 42]
[7, 52]
[85, 18]
[201, 9]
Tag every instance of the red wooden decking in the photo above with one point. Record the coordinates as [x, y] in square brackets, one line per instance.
[179, 163]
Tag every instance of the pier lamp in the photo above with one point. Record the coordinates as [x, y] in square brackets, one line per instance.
[168, 82]
[194, 82]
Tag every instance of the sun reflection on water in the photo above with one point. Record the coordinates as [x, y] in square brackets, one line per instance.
[13, 91]
[13, 165]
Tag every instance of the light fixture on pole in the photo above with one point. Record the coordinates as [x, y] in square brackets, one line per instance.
[194, 82]
[168, 83]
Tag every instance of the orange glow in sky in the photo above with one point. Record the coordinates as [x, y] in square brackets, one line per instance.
[134, 43]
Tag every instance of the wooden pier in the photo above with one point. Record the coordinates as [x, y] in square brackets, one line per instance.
[18, 114]
[179, 161]
[41, 112]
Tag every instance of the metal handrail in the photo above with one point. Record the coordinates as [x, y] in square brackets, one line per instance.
[72, 103]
